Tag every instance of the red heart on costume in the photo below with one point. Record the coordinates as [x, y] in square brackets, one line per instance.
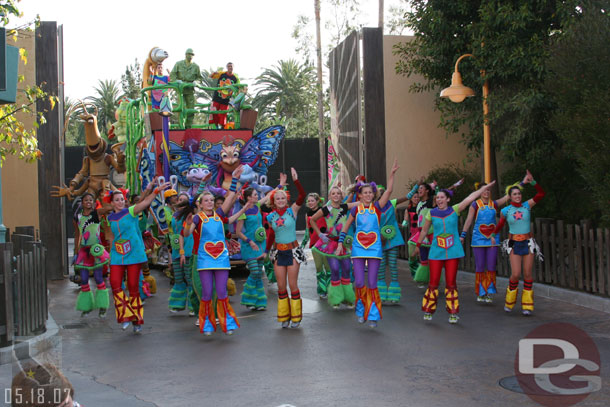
[214, 249]
[366, 239]
[487, 230]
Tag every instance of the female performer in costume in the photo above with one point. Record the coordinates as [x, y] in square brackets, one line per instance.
[314, 203]
[366, 247]
[340, 289]
[520, 244]
[286, 253]
[91, 255]
[127, 253]
[252, 234]
[445, 251]
[213, 262]
[484, 211]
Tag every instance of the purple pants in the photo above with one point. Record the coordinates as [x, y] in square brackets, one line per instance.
[208, 278]
[485, 258]
[97, 275]
[339, 268]
[373, 268]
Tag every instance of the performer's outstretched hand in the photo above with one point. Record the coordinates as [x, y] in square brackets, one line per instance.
[295, 175]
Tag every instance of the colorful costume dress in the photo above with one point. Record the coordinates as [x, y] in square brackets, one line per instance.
[91, 256]
[127, 253]
[367, 250]
[413, 230]
[213, 266]
[183, 287]
[340, 289]
[157, 94]
[446, 251]
[322, 266]
[485, 253]
[253, 295]
[520, 242]
[422, 274]
[391, 240]
[285, 251]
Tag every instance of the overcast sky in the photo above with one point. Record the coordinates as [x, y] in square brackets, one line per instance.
[102, 37]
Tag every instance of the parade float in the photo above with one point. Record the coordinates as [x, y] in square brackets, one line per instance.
[156, 141]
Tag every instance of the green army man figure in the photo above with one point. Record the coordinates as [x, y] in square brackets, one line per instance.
[187, 71]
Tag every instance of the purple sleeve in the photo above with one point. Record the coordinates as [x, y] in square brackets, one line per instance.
[354, 211]
[474, 204]
[196, 220]
[387, 206]
[221, 213]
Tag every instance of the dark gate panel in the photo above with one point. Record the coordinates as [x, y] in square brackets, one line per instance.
[345, 104]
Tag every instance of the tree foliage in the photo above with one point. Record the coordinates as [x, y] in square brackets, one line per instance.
[288, 92]
[578, 82]
[131, 80]
[107, 95]
[15, 137]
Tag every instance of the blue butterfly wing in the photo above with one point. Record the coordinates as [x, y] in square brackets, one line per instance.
[260, 152]
[179, 162]
[209, 154]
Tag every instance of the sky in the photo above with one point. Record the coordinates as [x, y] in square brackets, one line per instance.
[102, 37]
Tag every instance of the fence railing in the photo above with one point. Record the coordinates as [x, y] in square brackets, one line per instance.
[575, 256]
[23, 288]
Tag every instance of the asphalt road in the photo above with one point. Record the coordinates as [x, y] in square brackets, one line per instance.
[331, 360]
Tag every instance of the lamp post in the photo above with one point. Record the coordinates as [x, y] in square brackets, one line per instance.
[457, 92]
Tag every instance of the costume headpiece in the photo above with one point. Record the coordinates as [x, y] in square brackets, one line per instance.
[110, 194]
[361, 185]
[516, 184]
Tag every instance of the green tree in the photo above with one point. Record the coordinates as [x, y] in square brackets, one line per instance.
[288, 91]
[74, 130]
[578, 82]
[107, 95]
[15, 137]
[131, 80]
[510, 42]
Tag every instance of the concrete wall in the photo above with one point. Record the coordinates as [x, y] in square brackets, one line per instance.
[20, 179]
[412, 132]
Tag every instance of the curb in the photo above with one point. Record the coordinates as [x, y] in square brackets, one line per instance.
[543, 290]
[29, 346]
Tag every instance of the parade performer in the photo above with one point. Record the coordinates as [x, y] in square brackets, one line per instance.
[314, 202]
[484, 212]
[182, 249]
[189, 72]
[252, 234]
[220, 99]
[127, 253]
[367, 248]
[391, 239]
[213, 262]
[410, 220]
[286, 253]
[425, 192]
[157, 78]
[90, 256]
[340, 289]
[520, 244]
[445, 250]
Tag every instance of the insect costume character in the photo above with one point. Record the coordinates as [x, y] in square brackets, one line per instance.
[422, 274]
[322, 266]
[340, 289]
[391, 240]
[445, 252]
[91, 256]
[253, 295]
[520, 242]
[183, 287]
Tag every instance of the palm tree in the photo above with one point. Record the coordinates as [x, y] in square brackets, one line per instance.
[74, 131]
[287, 90]
[107, 98]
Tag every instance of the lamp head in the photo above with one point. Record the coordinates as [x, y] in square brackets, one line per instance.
[457, 92]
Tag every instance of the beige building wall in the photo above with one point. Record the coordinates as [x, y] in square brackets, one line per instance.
[20, 179]
[411, 125]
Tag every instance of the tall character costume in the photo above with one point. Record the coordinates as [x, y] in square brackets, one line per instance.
[253, 295]
[391, 239]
